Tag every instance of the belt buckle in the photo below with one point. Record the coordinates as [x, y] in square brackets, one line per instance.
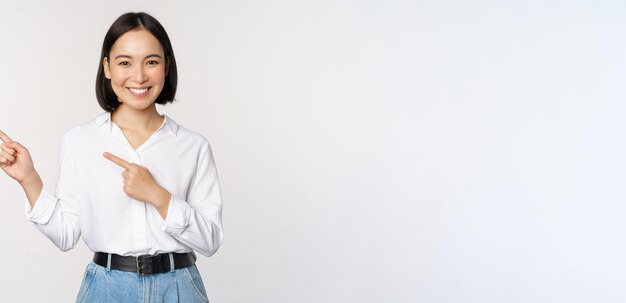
[138, 263]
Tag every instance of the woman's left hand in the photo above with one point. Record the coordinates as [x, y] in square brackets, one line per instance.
[140, 185]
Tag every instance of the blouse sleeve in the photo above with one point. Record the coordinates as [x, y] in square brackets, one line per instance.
[197, 221]
[56, 216]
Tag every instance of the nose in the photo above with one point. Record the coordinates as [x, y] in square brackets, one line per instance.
[140, 75]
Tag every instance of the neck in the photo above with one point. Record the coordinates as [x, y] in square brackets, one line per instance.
[136, 119]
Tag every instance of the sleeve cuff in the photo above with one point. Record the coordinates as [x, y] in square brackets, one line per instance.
[178, 216]
[44, 207]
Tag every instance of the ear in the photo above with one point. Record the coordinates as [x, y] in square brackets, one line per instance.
[107, 70]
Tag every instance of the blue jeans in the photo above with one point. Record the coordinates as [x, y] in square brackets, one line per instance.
[108, 285]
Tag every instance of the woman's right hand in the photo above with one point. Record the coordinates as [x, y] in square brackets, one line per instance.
[15, 160]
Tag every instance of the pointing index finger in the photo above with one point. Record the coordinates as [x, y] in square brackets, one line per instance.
[119, 161]
[4, 137]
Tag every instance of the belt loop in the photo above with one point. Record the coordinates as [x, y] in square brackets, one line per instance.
[172, 267]
[109, 262]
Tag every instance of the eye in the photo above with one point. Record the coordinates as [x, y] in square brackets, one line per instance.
[152, 62]
[124, 63]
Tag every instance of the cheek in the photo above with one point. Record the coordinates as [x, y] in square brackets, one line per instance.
[118, 76]
[158, 75]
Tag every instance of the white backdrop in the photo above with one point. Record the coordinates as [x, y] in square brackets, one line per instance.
[369, 151]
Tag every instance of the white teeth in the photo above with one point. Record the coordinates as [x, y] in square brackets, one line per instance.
[138, 91]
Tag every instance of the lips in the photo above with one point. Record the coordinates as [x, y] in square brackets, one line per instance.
[139, 92]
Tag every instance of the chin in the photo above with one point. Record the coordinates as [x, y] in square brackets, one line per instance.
[141, 106]
[138, 105]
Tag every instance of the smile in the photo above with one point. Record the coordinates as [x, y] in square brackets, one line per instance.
[139, 91]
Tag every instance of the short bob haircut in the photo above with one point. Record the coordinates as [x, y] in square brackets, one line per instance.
[125, 23]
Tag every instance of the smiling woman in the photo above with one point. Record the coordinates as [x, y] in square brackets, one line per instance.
[139, 50]
[141, 216]
[136, 74]
[137, 69]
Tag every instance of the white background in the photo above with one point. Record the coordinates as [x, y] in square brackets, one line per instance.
[368, 151]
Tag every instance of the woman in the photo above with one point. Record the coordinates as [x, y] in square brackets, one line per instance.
[141, 190]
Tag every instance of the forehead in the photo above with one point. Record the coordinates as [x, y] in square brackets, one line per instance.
[136, 43]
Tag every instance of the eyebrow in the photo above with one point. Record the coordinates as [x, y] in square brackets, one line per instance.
[130, 57]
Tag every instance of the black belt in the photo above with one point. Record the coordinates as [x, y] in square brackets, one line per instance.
[146, 264]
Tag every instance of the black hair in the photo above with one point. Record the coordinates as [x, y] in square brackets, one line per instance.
[125, 23]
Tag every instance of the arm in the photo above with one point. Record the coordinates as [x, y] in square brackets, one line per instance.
[55, 216]
[16, 162]
[197, 222]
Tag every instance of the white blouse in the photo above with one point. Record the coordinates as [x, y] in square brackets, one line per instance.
[90, 200]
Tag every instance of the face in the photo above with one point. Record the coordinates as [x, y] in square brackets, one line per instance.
[136, 67]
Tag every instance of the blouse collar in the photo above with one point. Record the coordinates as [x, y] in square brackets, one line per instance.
[105, 118]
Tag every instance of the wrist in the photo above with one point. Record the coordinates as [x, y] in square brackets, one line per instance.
[33, 186]
[30, 179]
[161, 198]
[162, 201]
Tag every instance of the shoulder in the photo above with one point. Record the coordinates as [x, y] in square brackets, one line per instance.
[185, 134]
[85, 129]
[191, 140]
